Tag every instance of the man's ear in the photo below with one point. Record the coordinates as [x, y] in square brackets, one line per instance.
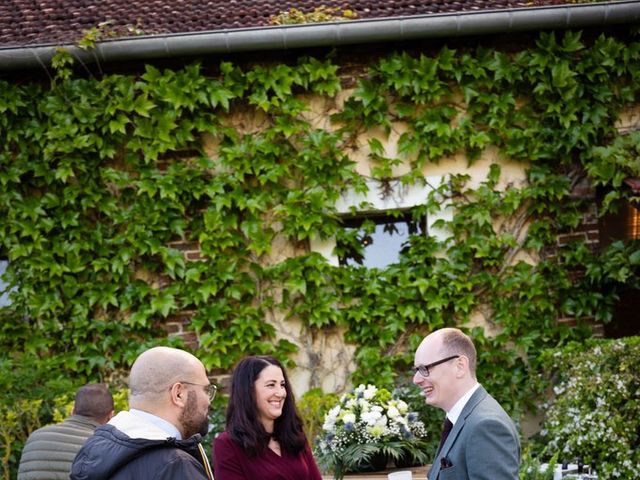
[178, 394]
[462, 366]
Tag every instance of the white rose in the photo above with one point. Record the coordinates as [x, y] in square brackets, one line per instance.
[382, 421]
[334, 412]
[370, 392]
[330, 418]
[370, 418]
[349, 418]
[328, 425]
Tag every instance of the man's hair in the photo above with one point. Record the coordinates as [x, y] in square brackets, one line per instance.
[243, 423]
[456, 342]
[94, 401]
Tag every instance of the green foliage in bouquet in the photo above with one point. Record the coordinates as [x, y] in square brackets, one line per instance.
[369, 423]
[595, 413]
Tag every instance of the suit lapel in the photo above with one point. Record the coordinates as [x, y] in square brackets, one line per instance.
[475, 399]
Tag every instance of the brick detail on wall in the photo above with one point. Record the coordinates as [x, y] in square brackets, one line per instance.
[194, 256]
[587, 231]
[597, 329]
[190, 250]
[177, 326]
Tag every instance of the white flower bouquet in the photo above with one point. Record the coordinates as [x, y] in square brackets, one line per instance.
[367, 424]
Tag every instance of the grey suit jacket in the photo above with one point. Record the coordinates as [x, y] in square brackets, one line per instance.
[483, 444]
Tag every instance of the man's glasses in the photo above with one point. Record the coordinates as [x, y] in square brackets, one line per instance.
[212, 389]
[424, 369]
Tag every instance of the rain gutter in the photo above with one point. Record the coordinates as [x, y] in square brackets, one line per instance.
[392, 29]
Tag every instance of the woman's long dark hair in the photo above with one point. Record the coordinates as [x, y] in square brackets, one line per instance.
[243, 424]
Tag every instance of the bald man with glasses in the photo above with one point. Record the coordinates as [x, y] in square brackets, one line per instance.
[159, 436]
[479, 440]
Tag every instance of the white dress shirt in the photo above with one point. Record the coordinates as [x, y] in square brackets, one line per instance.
[456, 410]
[158, 422]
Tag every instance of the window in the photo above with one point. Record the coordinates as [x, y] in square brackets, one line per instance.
[622, 225]
[381, 239]
[385, 233]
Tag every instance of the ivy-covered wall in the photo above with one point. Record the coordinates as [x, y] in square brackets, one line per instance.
[105, 179]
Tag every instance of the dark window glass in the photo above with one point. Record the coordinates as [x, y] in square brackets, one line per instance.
[624, 225]
[377, 240]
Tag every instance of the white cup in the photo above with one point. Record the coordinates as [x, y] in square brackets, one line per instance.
[401, 475]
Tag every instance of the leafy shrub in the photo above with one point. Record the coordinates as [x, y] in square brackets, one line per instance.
[313, 406]
[595, 413]
[531, 467]
[17, 420]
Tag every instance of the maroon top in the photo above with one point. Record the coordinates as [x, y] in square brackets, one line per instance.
[230, 462]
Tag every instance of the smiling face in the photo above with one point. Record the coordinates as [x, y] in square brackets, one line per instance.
[270, 395]
[443, 387]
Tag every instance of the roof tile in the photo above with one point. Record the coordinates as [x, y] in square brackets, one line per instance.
[29, 22]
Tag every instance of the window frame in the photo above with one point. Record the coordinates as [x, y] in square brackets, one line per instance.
[386, 217]
[381, 197]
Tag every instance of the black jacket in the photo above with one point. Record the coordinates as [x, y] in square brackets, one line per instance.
[112, 454]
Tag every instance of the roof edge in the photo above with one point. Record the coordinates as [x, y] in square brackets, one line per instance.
[332, 34]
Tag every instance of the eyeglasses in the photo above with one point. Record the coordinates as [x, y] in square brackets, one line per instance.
[424, 369]
[212, 389]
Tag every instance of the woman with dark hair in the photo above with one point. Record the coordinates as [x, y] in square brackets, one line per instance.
[264, 438]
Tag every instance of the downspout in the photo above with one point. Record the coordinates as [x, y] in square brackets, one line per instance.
[334, 33]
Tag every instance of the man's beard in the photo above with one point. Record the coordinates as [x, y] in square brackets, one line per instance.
[192, 422]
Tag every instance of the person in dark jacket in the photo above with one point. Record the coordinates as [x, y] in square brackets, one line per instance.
[159, 437]
[50, 450]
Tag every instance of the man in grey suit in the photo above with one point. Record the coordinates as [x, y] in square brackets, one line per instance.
[482, 442]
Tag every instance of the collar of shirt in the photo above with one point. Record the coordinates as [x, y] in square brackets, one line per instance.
[456, 410]
[158, 422]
